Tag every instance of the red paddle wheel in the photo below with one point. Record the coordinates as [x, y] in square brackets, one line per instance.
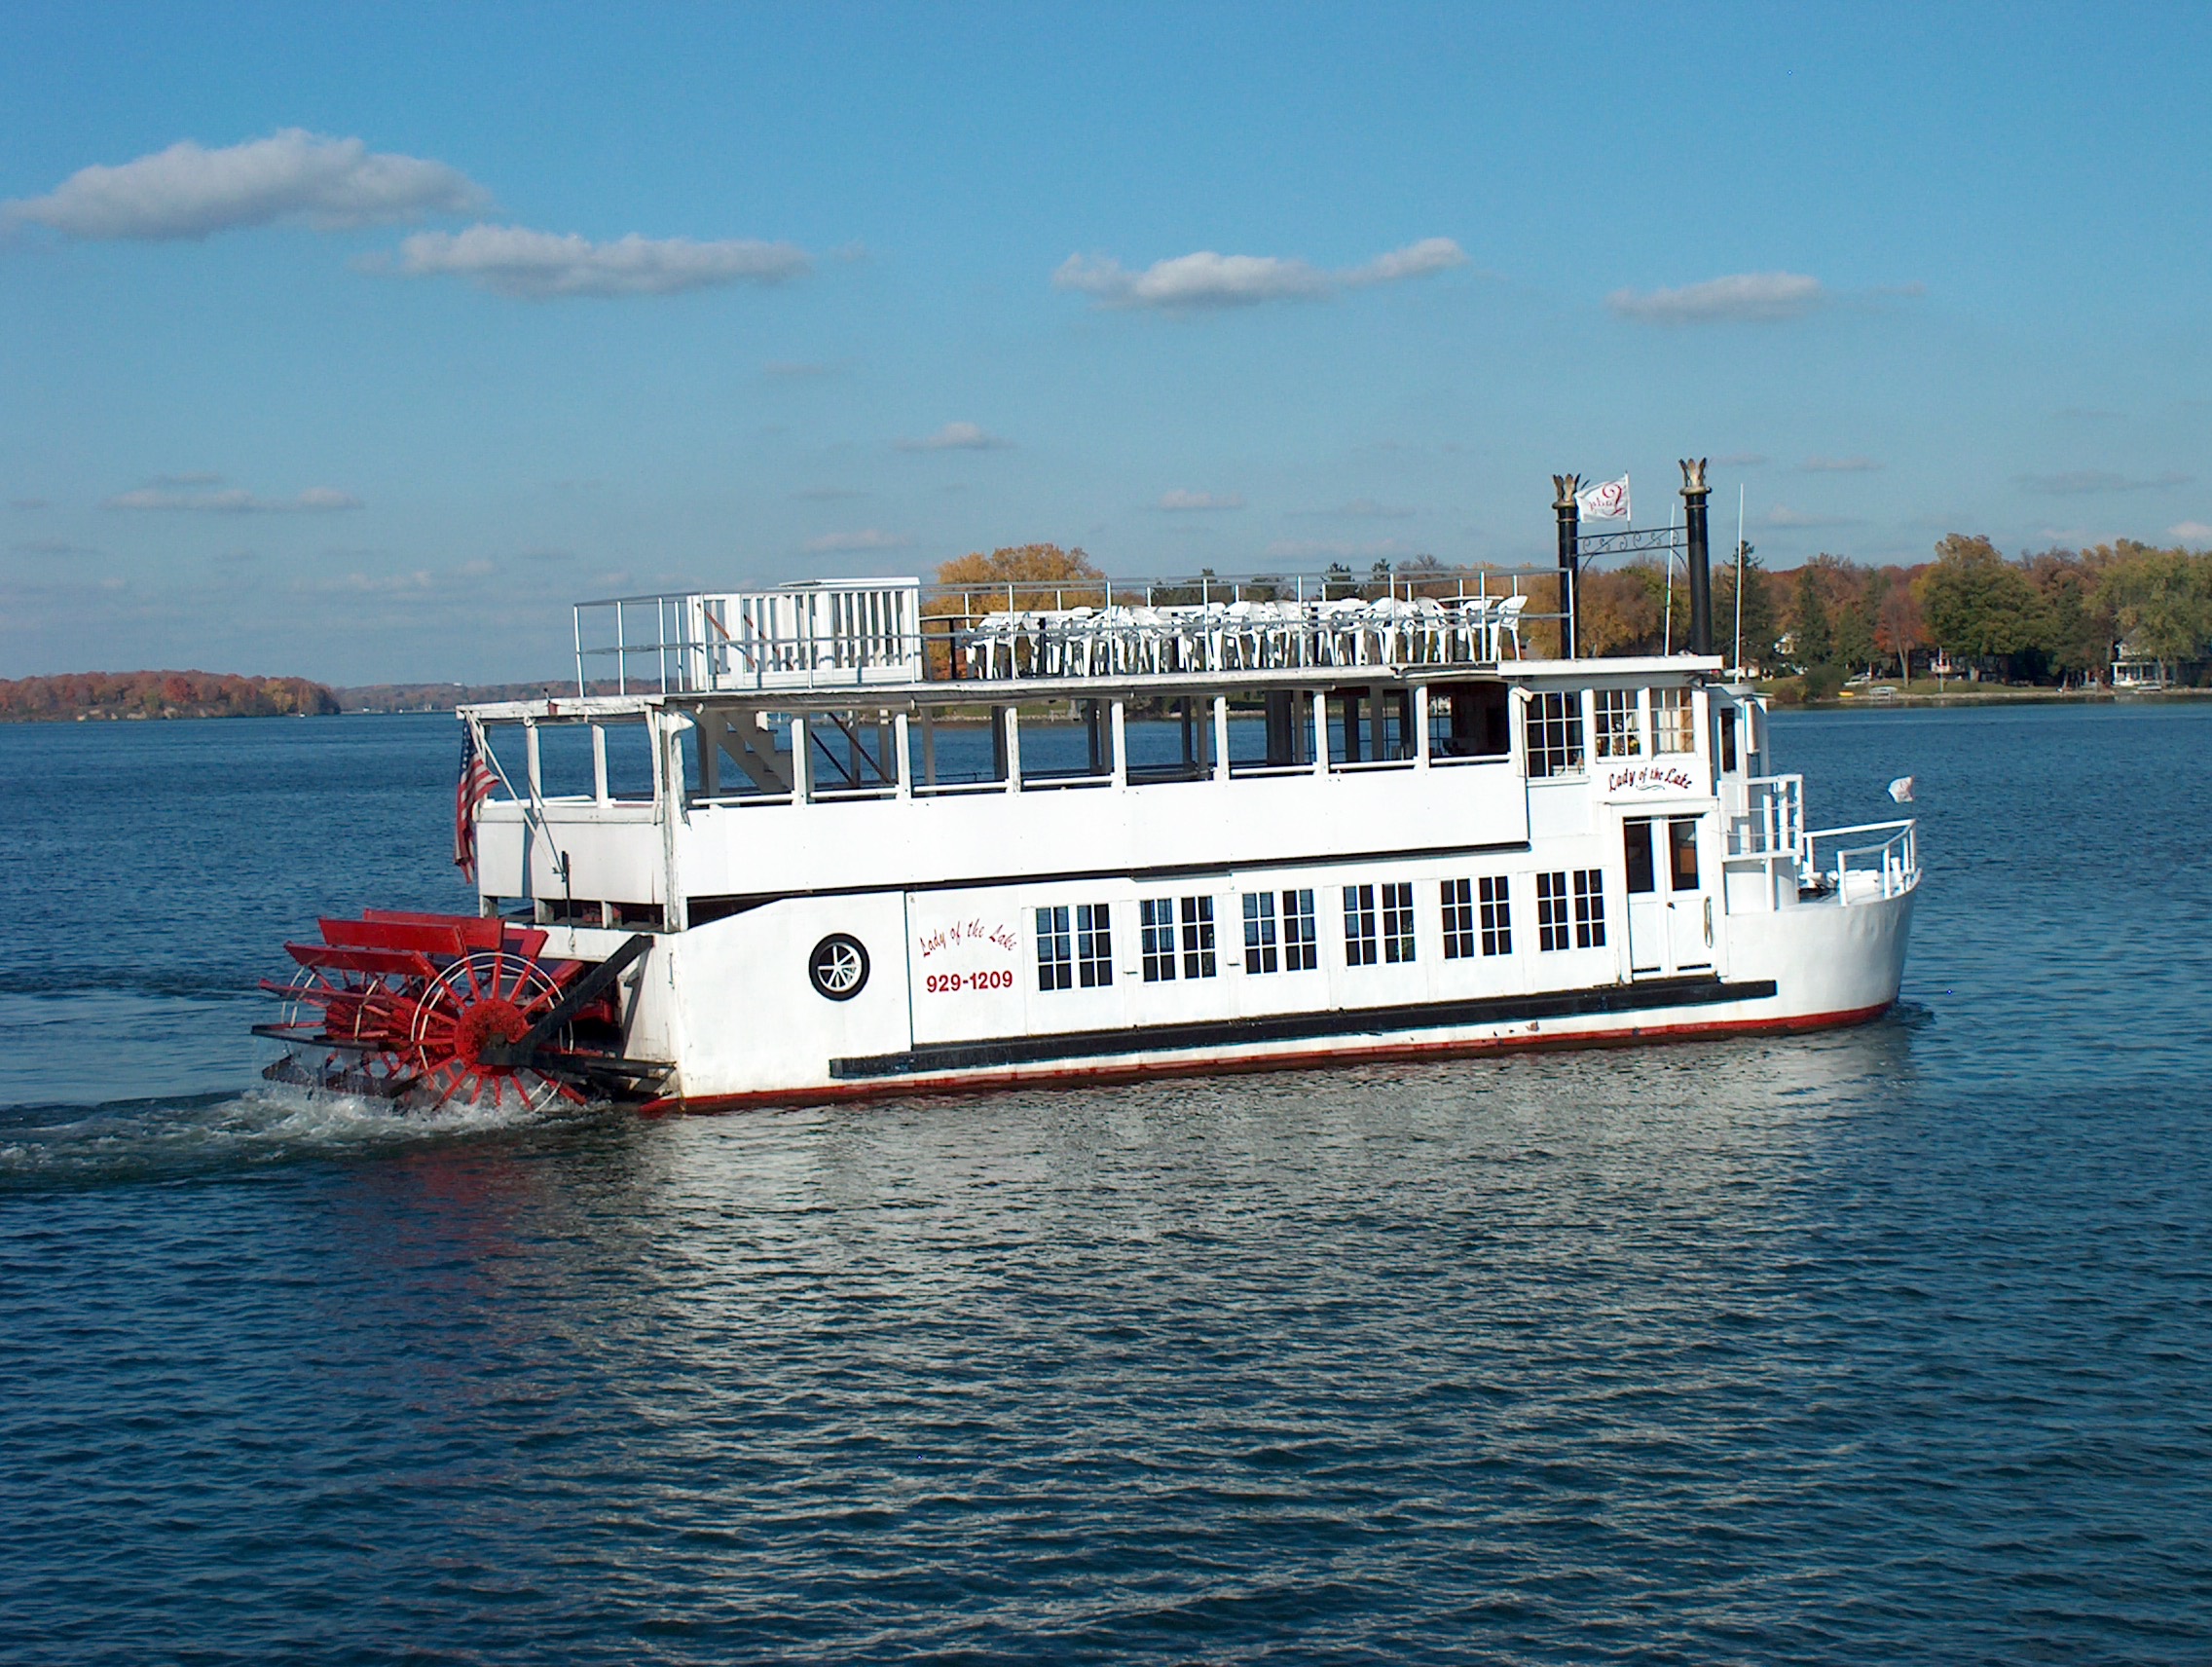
[449, 1009]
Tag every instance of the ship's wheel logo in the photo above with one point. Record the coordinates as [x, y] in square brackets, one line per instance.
[838, 967]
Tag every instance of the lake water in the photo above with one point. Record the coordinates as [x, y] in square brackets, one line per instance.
[1883, 1346]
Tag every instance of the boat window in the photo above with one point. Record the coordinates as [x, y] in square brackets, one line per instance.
[1620, 733]
[1551, 911]
[1555, 733]
[1156, 916]
[1683, 844]
[1359, 926]
[1301, 942]
[1198, 937]
[1458, 920]
[1469, 721]
[1093, 945]
[1496, 915]
[1370, 725]
[1728, 739]
[1589, 908]
[1259, 932]
[1055, 951]
[1673, 721]
[1083, 956]
[1398, 922]
[1635, 836]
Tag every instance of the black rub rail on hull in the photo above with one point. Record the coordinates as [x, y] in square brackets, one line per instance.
[1656, 996]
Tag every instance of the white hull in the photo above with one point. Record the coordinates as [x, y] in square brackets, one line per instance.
[723, 1003]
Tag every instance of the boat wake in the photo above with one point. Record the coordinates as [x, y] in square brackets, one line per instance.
[179, 1137]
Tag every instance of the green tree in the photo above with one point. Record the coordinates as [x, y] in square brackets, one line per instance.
[1761, 624]
[1976, 603]
[2077, 625]
[2161, 600]
[1813, 638]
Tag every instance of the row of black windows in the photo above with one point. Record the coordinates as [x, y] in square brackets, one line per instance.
[1074, 948]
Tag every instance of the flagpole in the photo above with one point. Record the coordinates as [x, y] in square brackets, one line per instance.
[1667, 642]
[1738, 578]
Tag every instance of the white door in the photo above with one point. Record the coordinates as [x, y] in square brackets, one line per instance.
[1689, 898]
[1649, 940]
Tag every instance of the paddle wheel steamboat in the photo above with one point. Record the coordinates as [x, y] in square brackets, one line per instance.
[879, 837]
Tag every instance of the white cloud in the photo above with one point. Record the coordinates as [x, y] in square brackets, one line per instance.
[542, 266]
[1839, 465]
[1750, 297]
[2074, 482]
[26, 503]
[956, 438]
[233, 501]
[1740, 460]
[1782, 515]
[828, 494]
[2189, 533]
[866, 539]
[1207, 281]
[53, 547]
[1180, 500]
[188, 191]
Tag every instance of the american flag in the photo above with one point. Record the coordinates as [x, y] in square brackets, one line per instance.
[475, 787]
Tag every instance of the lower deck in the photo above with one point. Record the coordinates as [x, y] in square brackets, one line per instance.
[1051, 979]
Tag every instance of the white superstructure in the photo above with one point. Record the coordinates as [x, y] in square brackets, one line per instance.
[882, 838]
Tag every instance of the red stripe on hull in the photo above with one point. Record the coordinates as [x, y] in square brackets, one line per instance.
[1104, 1076]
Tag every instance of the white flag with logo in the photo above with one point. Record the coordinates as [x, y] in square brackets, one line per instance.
[1608, 501]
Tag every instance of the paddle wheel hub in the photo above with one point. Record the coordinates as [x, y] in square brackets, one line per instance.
[428, 1010]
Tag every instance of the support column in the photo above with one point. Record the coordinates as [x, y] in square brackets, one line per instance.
[1570, 513]
[1699, 560]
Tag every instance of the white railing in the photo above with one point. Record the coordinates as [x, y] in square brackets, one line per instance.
[1129, 639]
[847, 633]
[1773, 822]
[824, 633]
[1885, 863]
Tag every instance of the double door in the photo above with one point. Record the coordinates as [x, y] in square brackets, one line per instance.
[1670, 904]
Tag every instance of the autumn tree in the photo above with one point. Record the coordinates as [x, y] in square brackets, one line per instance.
[1898, 630]
[1018, 564]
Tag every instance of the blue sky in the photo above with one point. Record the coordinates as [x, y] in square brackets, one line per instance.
[455, 315]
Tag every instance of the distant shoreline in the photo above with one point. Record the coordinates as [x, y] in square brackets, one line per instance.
[1997, 697]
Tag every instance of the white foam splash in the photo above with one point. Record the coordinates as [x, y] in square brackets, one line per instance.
[264, 1124]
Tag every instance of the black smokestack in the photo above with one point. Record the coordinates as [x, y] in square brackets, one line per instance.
[1570, 513]
[1699, 560]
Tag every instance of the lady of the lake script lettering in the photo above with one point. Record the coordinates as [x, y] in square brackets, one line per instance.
[969, 932]
[1651, 778]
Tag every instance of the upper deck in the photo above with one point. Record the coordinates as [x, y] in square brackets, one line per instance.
[842, 637]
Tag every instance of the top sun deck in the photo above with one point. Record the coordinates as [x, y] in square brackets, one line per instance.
[844, 636]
